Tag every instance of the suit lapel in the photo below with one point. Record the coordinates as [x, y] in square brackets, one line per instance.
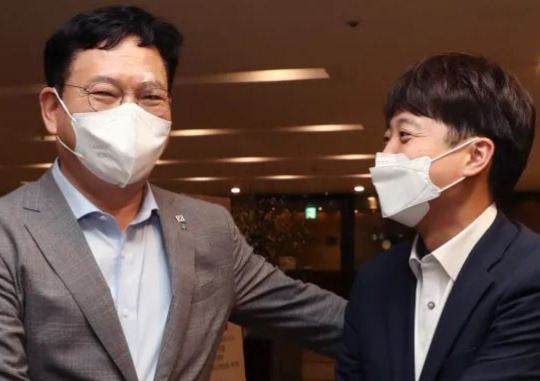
[400, 317]
[60, 239]
[472, 282]
[180, 248]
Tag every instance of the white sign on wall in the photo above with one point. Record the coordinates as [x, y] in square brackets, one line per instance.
[229, 362]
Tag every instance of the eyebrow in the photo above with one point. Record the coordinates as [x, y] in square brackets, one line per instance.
[148, 83]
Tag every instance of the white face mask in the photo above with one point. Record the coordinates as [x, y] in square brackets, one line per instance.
[404, 186]
[120, 145]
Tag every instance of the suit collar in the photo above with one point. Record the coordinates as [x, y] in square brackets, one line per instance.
[58, 235]
[400, 301]
[175, 219]
[472, 283]
[78, 203]
[69, 254]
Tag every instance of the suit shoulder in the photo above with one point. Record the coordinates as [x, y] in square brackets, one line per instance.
[202, 205]
[526, 234]
[397, 255]
[525, 249]
[518, 268]
[12, 204]
[524, 246]
[375, 276]
[384, 264]
[16, 197]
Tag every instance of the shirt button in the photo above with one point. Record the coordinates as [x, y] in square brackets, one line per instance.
[431, 305]
[125, 313]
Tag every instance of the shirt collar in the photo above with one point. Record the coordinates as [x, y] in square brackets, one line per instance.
[414, 259]
[453, 254]
[149, 205]
[82, 207]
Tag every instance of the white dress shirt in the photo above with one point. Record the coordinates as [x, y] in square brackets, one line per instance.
[134, 265]
[436, 274]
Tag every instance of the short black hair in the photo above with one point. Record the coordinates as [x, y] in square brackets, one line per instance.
[104, 28]
[473, 96]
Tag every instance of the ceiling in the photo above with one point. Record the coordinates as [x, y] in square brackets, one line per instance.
[362, 45]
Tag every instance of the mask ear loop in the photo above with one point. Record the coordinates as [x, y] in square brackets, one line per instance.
[72, 119]
[457, 148]
[62, 103]
[448, 153]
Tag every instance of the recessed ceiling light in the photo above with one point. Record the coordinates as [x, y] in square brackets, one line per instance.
[28, 166]
[350, 157]
[321, 128]
[170, 161]
[199, 179]
[247, 160]
[235, 190]
[284, 177]
[320, 208]
[254, 76]
[251, 76]
[264, 159]
[198, 132]
[43, 138]
[360, 176]
[359, 189]
[261, 178]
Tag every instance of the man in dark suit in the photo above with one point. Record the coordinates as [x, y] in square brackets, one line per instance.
[462, 301]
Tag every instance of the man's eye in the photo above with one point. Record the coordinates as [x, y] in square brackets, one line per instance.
[152, 97]
[404, 135]
[102, 94]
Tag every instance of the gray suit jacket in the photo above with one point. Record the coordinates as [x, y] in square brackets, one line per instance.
[58, 320]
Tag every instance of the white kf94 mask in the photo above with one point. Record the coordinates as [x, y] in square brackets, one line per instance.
[404, 186]
[120, 145]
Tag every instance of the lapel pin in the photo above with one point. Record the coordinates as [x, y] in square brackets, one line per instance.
[183, 223]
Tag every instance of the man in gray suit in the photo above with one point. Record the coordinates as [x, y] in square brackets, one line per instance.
[105, 277]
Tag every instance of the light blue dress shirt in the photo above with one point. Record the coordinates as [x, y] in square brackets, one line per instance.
[135, 267]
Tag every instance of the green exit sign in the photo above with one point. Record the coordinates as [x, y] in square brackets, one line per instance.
[311, 213]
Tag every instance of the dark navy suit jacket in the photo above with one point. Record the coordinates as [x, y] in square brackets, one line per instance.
[489, 328]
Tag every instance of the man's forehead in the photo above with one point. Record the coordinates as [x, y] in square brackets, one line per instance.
[125, 62]
[406, 119]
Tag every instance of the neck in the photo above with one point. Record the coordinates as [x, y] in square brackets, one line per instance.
[121, 203]
[442, 223]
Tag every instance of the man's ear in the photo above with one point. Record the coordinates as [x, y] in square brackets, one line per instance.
[49, 109]
[481, 152]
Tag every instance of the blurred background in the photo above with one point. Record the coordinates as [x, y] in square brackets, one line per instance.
[277, 106]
